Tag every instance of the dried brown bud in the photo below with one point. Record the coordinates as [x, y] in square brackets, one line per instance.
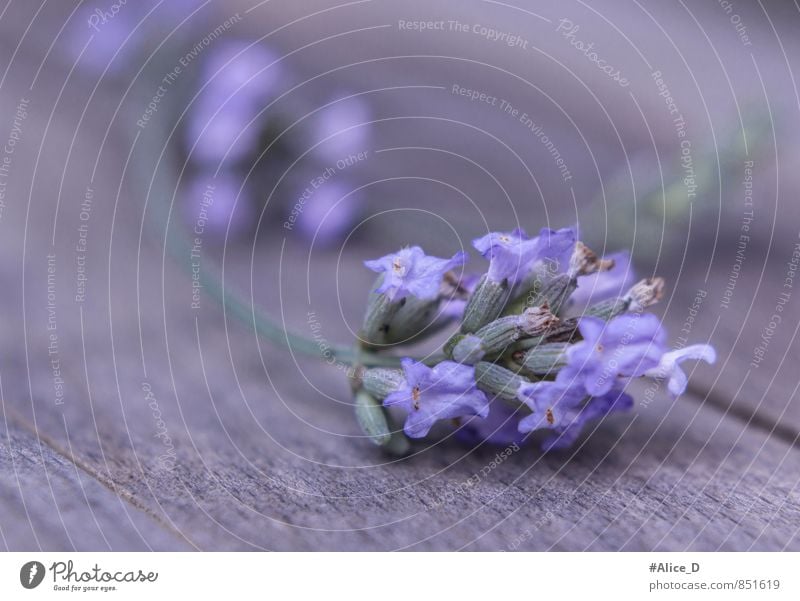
[535, 321]
[585, 261]
[645, 293]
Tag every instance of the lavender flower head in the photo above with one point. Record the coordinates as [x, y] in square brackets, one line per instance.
[411, 272]
[219, 129]
[445, 391]
[518, 365]
[102, 40]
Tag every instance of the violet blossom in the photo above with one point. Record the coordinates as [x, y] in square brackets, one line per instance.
[669, 365]
[328, 215]
[628, 345]
[602, 285]
[411, 272]
[566, 432]
[512, 255]
[445, 391]
[549, 402]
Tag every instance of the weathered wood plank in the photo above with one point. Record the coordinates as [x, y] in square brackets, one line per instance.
[50, 504]
[756, 336]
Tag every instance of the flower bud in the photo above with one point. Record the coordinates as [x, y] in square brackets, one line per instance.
[497, 381]
[609, 308]
[377, 322]
[371, 417]
[469, 349]
[382, 381]
[543, 360]
[495, 337]
[551, 292]
[485, 305]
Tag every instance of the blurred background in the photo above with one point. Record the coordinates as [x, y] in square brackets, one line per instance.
[279, 144]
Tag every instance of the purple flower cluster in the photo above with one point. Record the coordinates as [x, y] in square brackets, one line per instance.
[235, 117]
[553, 381]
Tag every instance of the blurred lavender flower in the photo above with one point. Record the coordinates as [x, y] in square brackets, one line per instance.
[218, 130]
[411, 272]
[446, 391]
[556, 247]
[628, 345]
[118, 36]
[114, 41]
[603, 285]
[210, 207]
[329, 214]
[340, 130]
[247, 70]
[224, 122]
[669, 365]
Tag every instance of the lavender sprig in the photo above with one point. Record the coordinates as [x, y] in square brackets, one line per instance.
[520, 360]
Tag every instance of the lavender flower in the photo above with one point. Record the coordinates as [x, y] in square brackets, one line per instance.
[340, 129]
[225, 121]
[509, 254]
[628, 345]
[572, 422]
[114, 42]
[328, 214]
[603, 285]
[512, 255]
[550, 403]
[220, 129]
[556, 247]
[118, 36]
[669, 365]
[516, 347]
[446, 391]
[411, 272]
[245, 70]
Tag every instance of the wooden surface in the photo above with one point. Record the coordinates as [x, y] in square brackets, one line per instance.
[263, 451]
